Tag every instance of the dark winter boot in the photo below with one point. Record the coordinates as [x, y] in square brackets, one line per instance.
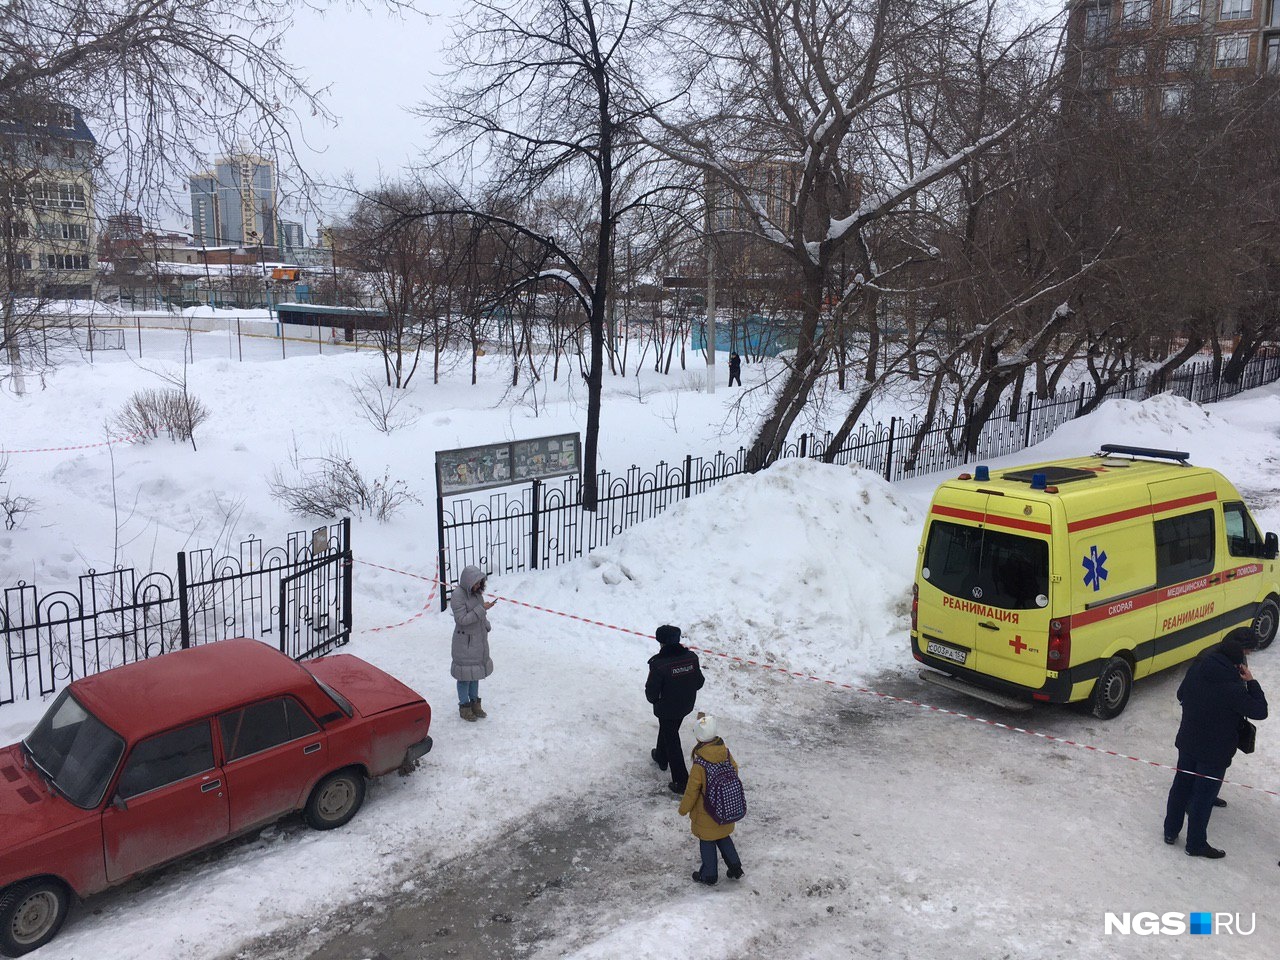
[466, 713]
[734, 872]
[475, 708]
[699, 878]
[661, 761]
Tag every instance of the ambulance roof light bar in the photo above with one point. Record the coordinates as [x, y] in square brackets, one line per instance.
[1179, 455]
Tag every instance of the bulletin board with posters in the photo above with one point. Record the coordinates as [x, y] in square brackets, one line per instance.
[498, 464]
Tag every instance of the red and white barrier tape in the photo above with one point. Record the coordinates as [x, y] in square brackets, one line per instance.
[426, 607]
[801, 675]
[82, 446]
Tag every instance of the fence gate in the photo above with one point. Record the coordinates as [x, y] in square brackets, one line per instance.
[315, 604]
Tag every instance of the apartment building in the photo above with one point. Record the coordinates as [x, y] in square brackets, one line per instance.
[234, 203]
[47, 157]
[1145, 57]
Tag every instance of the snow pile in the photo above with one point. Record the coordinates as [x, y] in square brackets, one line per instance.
[805, 565]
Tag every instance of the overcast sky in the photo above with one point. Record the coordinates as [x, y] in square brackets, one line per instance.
[378, 65]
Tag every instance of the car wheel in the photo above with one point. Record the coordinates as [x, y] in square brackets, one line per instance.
[1265, 622]
[30, 915]
[335, 800]
[1111, 692]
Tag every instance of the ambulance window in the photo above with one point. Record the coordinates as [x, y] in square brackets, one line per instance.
[1243, 539]
[1184, 547]
[1001, 569]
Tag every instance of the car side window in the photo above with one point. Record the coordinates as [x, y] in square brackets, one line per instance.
[166, 759]
[1243, 539]
[1184, 547]
[261, 726]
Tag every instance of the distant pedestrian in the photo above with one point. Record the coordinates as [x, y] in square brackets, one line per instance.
[735, 369]
[713, 836]
[675, 678]
[471, 662]
[1217, 693]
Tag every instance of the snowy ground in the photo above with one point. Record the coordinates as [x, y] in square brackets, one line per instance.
[876, 828]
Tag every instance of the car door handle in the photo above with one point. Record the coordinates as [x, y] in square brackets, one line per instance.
[1231, 575]
[311, 748]
[987, 625]
[210, 786]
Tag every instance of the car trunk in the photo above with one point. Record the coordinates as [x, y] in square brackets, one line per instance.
[370, 690]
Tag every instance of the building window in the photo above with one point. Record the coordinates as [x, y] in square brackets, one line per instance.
[66, 261]
[1173, 100]
[18, 261]
[1184, 11]
[1132, 61]
[1273, 14]
[1097, 19]
[1273, 54]
[1128, 101]
[64, 195]
[1232, 51]
[1135, 13]
[19, 229]
[1182, 55]
[65, 231]
[1237, 10]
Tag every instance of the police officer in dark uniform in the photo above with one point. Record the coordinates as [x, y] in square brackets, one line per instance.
[674, 681]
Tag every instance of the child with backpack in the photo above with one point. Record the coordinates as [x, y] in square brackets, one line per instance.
[713, 801]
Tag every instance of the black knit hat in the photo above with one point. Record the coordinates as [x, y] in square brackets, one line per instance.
[667, 634]
[1233, 650]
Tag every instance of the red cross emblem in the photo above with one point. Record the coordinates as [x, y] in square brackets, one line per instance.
[1017, 644]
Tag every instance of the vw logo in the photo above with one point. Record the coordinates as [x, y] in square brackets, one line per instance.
[977, 593]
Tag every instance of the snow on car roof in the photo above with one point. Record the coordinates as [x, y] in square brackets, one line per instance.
[160, 693]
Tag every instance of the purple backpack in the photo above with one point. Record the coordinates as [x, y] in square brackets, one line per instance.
[722, 797]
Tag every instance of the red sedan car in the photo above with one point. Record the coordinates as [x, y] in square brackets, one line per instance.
[146, 763]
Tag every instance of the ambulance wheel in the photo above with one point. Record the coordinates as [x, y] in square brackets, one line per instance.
[1265, 623]
[1111, 692]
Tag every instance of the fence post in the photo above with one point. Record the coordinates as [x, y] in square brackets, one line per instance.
[1026, 433]
[688, 471]
[804, 444]
[347, 565]
[184, 625]
[533, 525]
[888, 457]
[440, 563]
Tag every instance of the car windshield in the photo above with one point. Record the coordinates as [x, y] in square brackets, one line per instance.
[1000, 569]
[75, 750]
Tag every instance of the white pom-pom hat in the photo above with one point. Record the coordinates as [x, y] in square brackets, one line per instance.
[705, 728]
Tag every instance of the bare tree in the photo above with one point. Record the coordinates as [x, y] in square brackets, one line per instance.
[804, 134]
[546, 88]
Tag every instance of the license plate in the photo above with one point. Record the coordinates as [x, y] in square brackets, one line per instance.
[954, 654]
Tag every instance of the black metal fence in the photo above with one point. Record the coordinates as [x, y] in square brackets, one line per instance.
[543, 524]
[297, 596]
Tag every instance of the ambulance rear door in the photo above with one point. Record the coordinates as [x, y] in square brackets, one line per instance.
[1012, 632]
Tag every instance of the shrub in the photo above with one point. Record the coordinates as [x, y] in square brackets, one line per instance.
[174, 411]
[331, 486]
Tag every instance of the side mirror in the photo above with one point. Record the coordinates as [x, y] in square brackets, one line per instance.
[1271, 547]
[118, 802]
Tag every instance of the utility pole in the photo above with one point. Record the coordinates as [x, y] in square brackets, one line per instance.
[711, 292]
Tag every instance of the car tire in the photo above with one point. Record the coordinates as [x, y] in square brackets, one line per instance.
[31, 914]
[1265, 622]
[335, 800]
[1112, 689]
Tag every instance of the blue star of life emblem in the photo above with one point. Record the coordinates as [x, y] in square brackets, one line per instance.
[1095, 570]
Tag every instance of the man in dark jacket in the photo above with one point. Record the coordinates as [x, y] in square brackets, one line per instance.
[1217, 692]
[674, 681]
[735, 369]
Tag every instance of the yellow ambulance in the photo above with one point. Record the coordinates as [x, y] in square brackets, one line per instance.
[1066, 581]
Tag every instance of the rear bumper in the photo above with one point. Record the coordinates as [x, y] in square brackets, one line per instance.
[417, 751]
[1053, 690]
